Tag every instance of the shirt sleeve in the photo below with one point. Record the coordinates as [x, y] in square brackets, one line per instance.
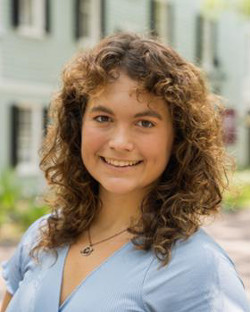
[15, 268]
[198, 279]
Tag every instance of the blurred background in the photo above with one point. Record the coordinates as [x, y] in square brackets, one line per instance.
[37, 37]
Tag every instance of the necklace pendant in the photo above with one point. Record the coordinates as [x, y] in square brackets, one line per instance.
[87, 251]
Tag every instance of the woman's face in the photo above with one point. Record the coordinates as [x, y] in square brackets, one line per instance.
[126, 142]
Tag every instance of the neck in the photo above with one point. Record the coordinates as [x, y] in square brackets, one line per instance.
[118, 212]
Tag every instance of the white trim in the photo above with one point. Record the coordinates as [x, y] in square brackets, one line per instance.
[8, 86]
[247, 39]
[162, 18]
[27, 170]
[246, 78]
[207, 54]
[30, 32]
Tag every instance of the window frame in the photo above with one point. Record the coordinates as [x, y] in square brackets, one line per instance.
[206, 42]
[30, 167]
[162, 25]
[40, 12]
[95, 23]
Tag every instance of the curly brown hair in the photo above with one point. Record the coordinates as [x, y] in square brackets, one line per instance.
[192, 184]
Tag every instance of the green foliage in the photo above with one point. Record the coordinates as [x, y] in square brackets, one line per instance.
[245, 7]
[238, 197]
[213, 8]
[15, 207]
[10, 192]
[28, 211]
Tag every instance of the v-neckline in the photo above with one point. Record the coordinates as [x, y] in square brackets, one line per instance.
[62, 266]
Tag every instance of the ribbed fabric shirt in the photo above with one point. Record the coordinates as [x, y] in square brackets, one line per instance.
[199, 278]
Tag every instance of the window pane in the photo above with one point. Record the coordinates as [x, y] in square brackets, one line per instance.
[24, 140]
[84, 18]
[26, 12]
[157, 18]
[163, 17]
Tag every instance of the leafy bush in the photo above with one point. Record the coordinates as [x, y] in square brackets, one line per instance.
[238, 197]
[10, 193]
[15, 207]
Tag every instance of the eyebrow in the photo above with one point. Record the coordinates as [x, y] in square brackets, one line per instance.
[148, 113]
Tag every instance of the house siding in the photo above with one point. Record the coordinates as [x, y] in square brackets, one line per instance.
[38, 59]
[127, 15]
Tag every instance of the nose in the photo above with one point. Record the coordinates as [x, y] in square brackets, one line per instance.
[121, 140]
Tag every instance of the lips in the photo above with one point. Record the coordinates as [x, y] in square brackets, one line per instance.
[120, 163]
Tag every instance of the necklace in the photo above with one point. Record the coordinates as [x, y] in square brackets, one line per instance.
[87, 250]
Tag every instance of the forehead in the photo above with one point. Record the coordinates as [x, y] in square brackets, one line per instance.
[125, 92]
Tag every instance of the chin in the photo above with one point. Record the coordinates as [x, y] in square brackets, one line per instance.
[119, 188]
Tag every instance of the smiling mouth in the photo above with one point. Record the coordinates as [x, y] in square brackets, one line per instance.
[119, 163]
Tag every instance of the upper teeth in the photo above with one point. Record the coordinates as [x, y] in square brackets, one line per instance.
[121, 163]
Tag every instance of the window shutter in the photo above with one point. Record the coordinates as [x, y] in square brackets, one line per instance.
[15, 13]
[170, 23]
[199, 38]
[47, 16]
[103, 18]
[13, 134]
[45, 120]
[152, 17]
[77, 19]
[214, 26]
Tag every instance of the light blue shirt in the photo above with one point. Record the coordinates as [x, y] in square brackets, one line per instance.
[199, 278]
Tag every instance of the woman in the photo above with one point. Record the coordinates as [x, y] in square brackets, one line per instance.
[134, 161]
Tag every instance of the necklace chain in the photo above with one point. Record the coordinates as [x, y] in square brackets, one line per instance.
[86, 251]
[103, 240]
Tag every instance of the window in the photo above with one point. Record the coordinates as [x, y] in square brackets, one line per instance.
[26, 14]
[207, 51]
[27, 126]
[163, 20]
[24, 136]
[206, 42]
[88, 21]
[31, 17]
[84, 18]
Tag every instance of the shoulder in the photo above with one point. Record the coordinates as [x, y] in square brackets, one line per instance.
[32, 233]
[201, 252]
[16, 267]
[30, 238]
[199, 277]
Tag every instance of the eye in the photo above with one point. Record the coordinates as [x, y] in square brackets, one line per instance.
[102, 119]
[145, 124]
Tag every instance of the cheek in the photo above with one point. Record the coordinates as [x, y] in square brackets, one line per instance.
[92, 140]
[159, 149]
